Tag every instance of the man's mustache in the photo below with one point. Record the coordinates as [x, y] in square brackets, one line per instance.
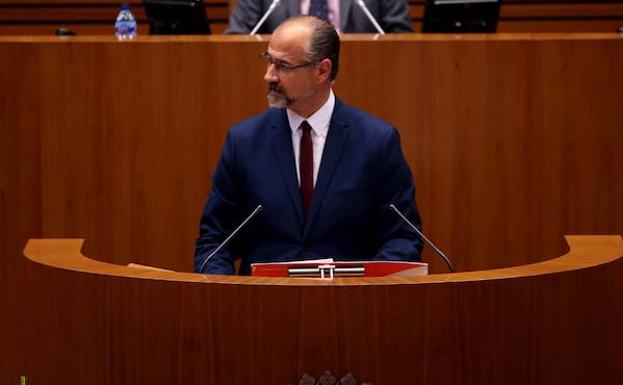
[273, 87]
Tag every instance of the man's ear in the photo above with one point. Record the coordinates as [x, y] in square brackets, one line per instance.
[324, 70]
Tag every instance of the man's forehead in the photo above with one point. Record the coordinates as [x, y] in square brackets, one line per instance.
[286, 53]
[289, 41]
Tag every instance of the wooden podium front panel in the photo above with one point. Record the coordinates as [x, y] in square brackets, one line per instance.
[554, 322]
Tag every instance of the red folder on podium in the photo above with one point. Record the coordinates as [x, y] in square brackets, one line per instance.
[330, 269]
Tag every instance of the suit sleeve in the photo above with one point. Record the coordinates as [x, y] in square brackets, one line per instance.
[395, 16]
[220, 216]
[397, 241]
[245, 16]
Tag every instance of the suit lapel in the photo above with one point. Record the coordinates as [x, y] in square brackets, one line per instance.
[344, 13]
[336, 137]
[282, 149]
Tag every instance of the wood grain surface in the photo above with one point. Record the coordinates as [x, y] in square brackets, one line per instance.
[556, 321]
[514, 141]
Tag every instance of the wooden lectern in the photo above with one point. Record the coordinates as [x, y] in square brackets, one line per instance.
[556, 321]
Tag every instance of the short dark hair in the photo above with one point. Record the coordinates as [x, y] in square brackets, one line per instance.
[324, 42]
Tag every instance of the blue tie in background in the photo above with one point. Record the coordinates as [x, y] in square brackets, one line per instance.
[319, 8]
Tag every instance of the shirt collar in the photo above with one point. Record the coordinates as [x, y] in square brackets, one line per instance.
[319, 120]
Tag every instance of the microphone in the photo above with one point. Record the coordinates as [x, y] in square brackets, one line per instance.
[254, 213]
[365, 10]
[270, 10]
[437, 250]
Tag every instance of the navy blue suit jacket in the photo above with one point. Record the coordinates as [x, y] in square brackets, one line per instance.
[362, 171]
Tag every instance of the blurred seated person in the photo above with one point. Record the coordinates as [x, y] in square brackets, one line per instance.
[345, 15]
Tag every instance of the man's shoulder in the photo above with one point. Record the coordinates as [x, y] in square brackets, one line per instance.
[363, 121]
[257, 124]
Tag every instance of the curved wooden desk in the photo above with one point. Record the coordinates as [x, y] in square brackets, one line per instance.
[556, 321]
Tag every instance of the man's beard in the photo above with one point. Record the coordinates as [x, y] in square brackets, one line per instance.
[277, 97]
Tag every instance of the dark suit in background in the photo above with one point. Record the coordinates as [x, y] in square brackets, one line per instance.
[392, 15]
[362, 171]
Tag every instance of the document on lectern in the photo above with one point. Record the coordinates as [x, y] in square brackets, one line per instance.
[328, 268]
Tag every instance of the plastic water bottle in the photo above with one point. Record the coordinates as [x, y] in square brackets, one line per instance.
[125, 25]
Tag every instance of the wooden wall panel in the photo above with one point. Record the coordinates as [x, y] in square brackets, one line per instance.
[34, 17]
[514, 140]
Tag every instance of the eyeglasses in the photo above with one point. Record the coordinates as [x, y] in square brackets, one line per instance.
[281, 67]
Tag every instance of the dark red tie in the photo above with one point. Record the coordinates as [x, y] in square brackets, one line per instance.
[306, 166]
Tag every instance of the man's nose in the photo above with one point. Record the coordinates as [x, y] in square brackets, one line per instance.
[270, 75]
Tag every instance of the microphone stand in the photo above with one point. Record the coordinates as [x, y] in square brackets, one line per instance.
[205, 262]
[270, 10]
[437, 249]
[365, 10]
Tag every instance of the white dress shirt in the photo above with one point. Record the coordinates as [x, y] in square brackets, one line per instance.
[319, 122]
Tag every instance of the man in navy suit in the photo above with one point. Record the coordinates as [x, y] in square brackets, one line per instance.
[345, 15]
[324, 172]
